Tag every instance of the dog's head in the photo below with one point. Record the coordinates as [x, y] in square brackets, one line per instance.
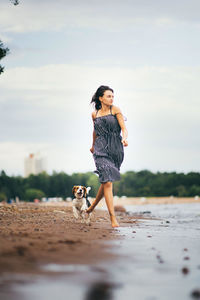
[79, 191]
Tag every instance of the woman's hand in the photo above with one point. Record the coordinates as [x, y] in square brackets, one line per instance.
[124, 142]
[92, 149]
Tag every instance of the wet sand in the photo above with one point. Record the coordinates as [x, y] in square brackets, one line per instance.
[154, 254]
[33, 234]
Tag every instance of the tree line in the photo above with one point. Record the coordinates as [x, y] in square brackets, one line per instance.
[132, 184]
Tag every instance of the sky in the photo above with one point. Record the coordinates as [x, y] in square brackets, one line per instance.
[62, 51]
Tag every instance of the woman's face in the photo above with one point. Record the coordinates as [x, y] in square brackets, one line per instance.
[107, 98]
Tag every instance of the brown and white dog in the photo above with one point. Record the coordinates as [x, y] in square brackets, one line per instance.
[80, 203]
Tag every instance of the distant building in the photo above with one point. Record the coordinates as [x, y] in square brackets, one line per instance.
[34, 164]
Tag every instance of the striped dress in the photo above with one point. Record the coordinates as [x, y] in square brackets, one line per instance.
[108, 149]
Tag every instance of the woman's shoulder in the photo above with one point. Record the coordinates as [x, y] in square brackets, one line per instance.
[94, 114]
[115, 110]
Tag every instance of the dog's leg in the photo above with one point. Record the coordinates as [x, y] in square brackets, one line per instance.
[88, 221]
[82, 214]
[75, 212]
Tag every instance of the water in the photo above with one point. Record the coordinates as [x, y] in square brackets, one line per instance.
[151, 258]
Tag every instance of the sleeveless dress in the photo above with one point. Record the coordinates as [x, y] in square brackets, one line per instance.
[108, 149]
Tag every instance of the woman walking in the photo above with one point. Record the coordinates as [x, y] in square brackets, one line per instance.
[107, 147]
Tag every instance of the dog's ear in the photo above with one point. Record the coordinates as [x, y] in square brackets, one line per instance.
[74, 188]
[85, 191]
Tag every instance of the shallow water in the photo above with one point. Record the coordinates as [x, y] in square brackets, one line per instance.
[152, 255]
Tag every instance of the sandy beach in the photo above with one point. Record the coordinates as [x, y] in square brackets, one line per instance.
[32, 234]
[43, 250]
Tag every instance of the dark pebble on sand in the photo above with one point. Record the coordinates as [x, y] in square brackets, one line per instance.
[196, 294]
[133, 231]
[185, 270]
[161, 261]
[21, 250]
[185, 249]
[149, 236]
[186, 258]
[52, 249]
[167, 221]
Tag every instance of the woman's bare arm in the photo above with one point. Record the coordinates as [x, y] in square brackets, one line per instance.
[119, 115]
[93, 135]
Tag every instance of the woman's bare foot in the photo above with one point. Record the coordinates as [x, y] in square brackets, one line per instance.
[90, 209]
[114, 222]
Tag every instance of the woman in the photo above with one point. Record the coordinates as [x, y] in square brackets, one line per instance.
[107, 146]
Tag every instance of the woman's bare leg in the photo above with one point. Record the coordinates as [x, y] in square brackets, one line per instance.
[99, 196]
[108, 194]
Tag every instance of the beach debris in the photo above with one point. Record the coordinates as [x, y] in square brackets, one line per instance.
[167, 221]
[185, 270]
[149, 236]
[186, 258]
[146, 212]
[68, 241]
[185, 249]
[160, 260]
[196, 294]
[119, 208]
[59, 211]
[20, 250]
[133, 231]
[98, 269]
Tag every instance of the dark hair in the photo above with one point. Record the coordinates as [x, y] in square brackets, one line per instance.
[99, 93]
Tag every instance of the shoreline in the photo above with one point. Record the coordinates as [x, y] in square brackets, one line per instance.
[32, 235]
[46, 254]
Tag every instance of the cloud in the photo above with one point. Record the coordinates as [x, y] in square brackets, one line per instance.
[62, 157]
[50, 106]
[107, 15]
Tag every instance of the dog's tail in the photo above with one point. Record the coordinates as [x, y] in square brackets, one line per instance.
[88, 202]
[88, 189]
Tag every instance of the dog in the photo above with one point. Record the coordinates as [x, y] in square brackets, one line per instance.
[80, 203]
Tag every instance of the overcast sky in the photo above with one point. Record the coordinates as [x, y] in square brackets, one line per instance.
[61, 51]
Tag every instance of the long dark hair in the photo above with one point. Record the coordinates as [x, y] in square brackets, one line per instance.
[99, 93]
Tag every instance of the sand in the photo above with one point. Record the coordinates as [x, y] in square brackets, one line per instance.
[33, 234]
[46, 254]
[156, 200]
